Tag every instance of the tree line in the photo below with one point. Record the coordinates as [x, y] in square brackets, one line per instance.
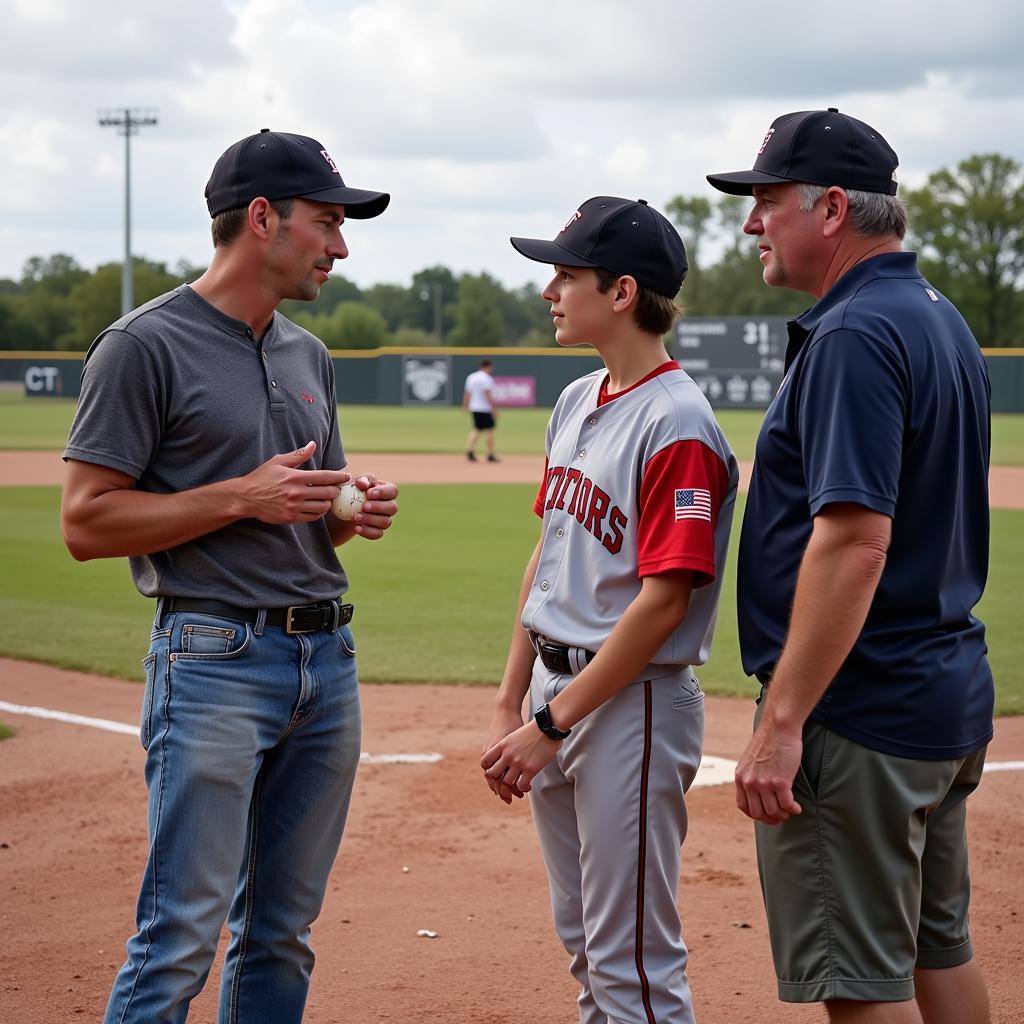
[967, 224]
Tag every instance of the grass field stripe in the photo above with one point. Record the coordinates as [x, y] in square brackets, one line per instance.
[133, 730]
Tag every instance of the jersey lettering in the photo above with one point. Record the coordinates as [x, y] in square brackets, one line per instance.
[584, 492]
[578, 477]
[571, 475]
[599, 502]
[589, 505]
[554, 480]
[616, 521]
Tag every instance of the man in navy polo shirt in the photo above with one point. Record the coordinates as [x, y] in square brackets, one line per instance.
[864, 550]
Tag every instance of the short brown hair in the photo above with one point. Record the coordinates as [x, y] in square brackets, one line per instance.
[227, 226]
[653, 313]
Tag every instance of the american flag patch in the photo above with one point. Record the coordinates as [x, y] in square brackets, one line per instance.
[693, 503]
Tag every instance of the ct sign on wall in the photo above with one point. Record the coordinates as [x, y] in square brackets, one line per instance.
[43, 382]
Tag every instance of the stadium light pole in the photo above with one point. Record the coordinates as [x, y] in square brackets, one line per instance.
[127, 121]
[434, 289]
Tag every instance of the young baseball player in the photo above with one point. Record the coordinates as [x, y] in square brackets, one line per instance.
[618, 603]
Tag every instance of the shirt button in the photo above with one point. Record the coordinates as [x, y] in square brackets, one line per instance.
[545, 585]
[559, 532]
[593, 421]
[273, 383]
[583, 453]
[264, 357]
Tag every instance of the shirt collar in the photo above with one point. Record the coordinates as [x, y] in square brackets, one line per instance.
[228, 323]
[885, 265]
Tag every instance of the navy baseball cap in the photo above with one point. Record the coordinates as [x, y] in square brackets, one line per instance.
[621, 236]
[818, 147]
[278, 165]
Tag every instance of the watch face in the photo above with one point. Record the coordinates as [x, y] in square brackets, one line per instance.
[546, 726]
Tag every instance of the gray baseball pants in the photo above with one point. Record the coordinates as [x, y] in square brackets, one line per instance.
[611, 818]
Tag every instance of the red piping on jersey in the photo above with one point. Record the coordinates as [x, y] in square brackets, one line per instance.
[641, 868]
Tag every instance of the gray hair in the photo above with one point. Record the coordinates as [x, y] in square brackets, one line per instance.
[871, 213]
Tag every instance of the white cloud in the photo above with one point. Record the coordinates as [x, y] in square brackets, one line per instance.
[482, 120]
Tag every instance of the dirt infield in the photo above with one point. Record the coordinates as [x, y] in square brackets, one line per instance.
[73, 841]
[24, 469]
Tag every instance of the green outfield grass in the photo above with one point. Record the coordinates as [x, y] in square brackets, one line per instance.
[435, 599]
[42, 424]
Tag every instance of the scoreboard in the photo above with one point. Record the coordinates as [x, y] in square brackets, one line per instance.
[737, 361]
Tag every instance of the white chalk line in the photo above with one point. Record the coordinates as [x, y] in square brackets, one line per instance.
[713, 771]
[64, 716]
[133, 730]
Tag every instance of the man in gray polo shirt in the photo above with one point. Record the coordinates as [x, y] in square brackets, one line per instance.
[206, 449]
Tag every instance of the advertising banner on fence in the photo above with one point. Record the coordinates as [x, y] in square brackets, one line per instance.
[515, 391]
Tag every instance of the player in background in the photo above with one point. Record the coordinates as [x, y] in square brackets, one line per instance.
[618, 604]
[478, 398]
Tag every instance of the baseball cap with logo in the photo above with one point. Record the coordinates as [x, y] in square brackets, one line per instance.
[818, 147]
[278, 165]
[621, 236]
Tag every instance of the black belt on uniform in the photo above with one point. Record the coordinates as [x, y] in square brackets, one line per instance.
[297, 618]
[555, 657]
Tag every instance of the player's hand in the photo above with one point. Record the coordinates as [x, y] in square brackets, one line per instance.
[280, 492]
[765, 773]
[380, 507]
[502, 724]
[519, 757]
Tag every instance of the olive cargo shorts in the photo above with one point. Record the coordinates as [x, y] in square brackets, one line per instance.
[871, 880]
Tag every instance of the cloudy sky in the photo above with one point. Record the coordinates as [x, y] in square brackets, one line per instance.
[482, 119]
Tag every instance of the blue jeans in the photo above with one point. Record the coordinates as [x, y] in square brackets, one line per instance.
[252, 739]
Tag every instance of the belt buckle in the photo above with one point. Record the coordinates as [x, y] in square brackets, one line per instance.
[554, 656]
[289, 619]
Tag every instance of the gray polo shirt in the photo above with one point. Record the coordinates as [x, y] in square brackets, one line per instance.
[176, 394]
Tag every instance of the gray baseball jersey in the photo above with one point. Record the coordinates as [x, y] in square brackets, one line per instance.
[642, 484]
[637, 484]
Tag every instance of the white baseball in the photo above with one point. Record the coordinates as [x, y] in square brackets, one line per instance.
[348, 502]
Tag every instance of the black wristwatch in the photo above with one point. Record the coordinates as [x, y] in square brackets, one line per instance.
[546, 726]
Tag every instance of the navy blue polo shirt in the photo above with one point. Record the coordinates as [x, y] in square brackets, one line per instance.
[885, 404]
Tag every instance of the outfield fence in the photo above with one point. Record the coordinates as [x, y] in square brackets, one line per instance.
[525, 376]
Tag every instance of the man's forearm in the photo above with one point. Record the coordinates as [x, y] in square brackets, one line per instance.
[644, 627]
[838, 577]
[125, 521]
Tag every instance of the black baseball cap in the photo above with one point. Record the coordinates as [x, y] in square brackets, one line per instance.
[818, 147]
[622, 236]
[278, 165]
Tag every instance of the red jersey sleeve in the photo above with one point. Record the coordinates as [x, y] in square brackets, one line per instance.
[541, 499]
[680, 496]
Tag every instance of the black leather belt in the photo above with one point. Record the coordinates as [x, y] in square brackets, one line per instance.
[555, 657]
[297, 618]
